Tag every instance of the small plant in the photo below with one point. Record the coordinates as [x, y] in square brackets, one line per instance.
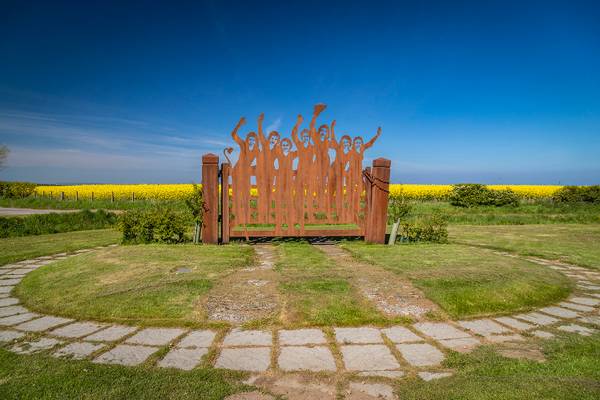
[475, 194]
[431, 228]
[158, 224]
[13, 190]
[577, 194]
[195, 204]
[398, 209]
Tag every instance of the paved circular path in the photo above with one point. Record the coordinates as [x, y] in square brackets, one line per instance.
[368, 356]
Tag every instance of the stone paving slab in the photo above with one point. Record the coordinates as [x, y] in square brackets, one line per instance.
[537, 318]
[462, 345]
[577, 307]
[368, 357]
[254, 359]
[440, 330]
[4, 295]
[484, 327]
[125, 354]
[12, 310]
[358, 390]
[22, 271]
[185, 359]
[420, 354]
[7, 336]
[17, 319]
[574, 328]
[300, 358]
[515, 323]
[203, 338]
[6, 289]
[400, 334]
[586, 301]
[505, 338]
[112, 333]
[299, 337]
[238, 337]
[35, 346]
[78, 350]
[155, 336]
[42, 324]
[429, 376]
[77, 329]
[542, 334]
[383, 374]
[358, 335]
[594, 320]
[10, 281]
[559, 312]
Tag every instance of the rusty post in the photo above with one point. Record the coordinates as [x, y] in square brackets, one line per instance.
[210, 194]
[377, 218]
[225, 171]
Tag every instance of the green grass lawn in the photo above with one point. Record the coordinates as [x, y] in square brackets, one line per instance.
[317, 291]
[133, 284]
[468, 281]
[578, 244]
[43, 377]
[22, 248]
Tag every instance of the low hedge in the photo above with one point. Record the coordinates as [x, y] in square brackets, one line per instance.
[16, 189]
[158, 224]
[577, 194]
[475, 194]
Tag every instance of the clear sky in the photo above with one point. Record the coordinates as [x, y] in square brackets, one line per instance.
[492, 92]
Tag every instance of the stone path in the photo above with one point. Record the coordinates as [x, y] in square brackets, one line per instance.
[351, 363]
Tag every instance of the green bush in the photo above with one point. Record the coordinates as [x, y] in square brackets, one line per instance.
[398, 208]
[158, 224]
[55, 223]
[475, 194]
[16, 189]
[430, 228]
[577, 194]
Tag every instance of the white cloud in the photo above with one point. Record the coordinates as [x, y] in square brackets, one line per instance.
[274, 126]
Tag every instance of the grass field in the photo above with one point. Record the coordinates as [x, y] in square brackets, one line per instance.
[22, 248]
[467, 281]
[133, 284]
[578, 244]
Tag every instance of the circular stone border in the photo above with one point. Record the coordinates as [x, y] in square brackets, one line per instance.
[386, 353]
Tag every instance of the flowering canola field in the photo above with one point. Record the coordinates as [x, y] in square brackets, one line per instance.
[180, 191]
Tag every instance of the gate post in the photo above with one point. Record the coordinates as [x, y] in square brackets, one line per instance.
[225, 171]
[377, 218]
[210, 194]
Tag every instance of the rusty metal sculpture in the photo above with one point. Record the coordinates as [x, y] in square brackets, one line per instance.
[311, 185]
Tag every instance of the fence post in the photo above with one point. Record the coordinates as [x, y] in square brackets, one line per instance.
[92, 196]
[62, 196]
[132, 196]
[210, 194]
[225, 171]
[77, 195]
[112, 197]
[377, 219]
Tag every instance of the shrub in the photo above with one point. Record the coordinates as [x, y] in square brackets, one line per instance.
[16, 189]
[55, 223]
[475, 194]
[158, 224]
[431, 228]
[398, 208]
[577, 194]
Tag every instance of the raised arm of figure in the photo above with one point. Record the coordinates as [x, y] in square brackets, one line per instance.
[261, 134]
[235, 135]
[318, 109]
[333, 144]
[372, 141]
[295, 132]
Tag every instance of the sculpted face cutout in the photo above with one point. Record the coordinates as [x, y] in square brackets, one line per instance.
[346, 143]
[251, 140]
[274, 138]
[358, 142]
[286, 146]
[305, 137]
[324, 132]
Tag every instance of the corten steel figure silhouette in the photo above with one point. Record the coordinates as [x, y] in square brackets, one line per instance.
[242, 172]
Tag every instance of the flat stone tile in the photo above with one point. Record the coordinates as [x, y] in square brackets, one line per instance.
[542, 334]
[185, 359]
[299, 358]
[256, 359]
[440, 330]
[238, 337]
[484, 327]
[430, 376]
[559, 312]
[368, 357]
[12, 310]
[35, 346]
[383, 374]
[125, 354]
[358, 335]
[515, 323]
[420, 354]
[594, 320]
[358, 390]
[6, 289]
[17, 319]
[4, 295]
[400, 334]
[155, 336]
[574, 328]
[203, 338]
[77, 329]
[505, 338]
[112, 333]
[586, 301]
[577, 307]
[42, 324]
[22, 271]
[590, 287]
[10, 282]
[537, 318]
[7, 336]
[462, 345]
[78, 350]
[299, 337]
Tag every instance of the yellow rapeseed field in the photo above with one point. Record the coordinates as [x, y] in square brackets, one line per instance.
[180, 191]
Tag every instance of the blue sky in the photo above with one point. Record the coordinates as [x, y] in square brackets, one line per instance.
[493, 92]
